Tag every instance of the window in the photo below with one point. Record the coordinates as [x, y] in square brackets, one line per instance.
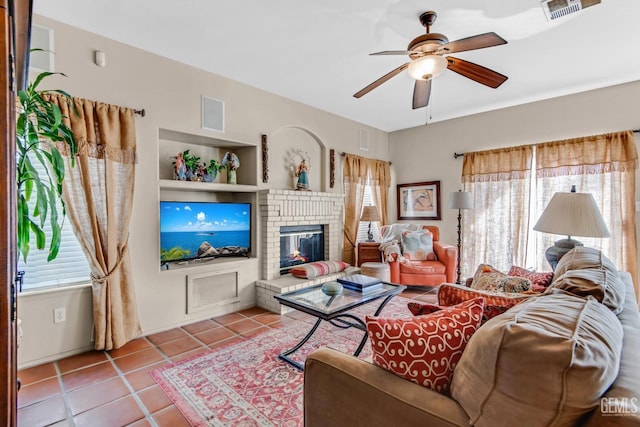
[511, 187]
[70, 266]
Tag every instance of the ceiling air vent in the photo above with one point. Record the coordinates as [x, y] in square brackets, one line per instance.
[554, 9]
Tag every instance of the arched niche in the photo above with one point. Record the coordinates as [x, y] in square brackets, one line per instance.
[285, 145]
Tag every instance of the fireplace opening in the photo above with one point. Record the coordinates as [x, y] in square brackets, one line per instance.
[300, 244]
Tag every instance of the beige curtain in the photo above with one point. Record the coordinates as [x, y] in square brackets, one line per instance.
[500, 182]
[380, 181]
[357, 172]
[98, 193]
[604, 165]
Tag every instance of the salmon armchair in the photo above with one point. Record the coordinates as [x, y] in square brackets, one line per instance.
[420, 273]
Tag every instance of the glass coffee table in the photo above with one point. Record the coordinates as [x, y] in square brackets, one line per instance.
[335, 309]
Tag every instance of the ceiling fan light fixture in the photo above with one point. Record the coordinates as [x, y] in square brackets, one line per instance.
[427, 67]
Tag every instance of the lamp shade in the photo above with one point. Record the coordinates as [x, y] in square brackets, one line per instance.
[572, 214]
[427, 67]
[370, 213]
[460, 200]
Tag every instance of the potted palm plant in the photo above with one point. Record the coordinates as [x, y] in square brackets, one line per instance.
[40, 170]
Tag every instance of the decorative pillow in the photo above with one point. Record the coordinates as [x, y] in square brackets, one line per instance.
[494, 302]
[318, 268]
[491, 310]
[513, 284]
[539, 281]
[488, 278]
[546, 361]
[422, 308]
[425, 349]
[418, 245]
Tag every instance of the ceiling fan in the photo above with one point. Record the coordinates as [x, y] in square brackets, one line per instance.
[427, 61]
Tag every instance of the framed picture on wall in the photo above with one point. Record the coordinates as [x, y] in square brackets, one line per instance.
[420, 200]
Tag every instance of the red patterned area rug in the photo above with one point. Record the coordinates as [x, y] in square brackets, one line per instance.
[245, 384]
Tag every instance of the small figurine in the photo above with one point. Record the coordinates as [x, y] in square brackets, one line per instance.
[181, 169]
[303, 176]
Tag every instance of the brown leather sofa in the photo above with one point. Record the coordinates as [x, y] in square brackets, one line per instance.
[420, 273]
[341, 390]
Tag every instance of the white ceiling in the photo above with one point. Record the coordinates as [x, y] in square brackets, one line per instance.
[317, 52]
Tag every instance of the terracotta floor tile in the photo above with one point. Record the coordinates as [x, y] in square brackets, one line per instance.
[196, 328]
[170, 417]
[140, 378]
[37, 392]
[267, 318]
[229, 318]
[120, 412]
[140, 423]
[154, 399]
[253, 311]
[37, 373]
[138, 360]
[170, 335]
[81, 361]
[131, 347]
[256, 331]
[86, 376]
[95, 395]
[282, 323]
[179, 346]
[213, 335]
[243, 325]
[43, 413]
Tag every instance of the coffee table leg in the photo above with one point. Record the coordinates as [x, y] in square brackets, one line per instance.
[284, 354]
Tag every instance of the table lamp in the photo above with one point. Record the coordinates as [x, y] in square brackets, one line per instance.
[370, 213]
[460, 200]
[570, 214]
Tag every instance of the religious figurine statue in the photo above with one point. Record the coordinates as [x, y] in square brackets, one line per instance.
[302, 173]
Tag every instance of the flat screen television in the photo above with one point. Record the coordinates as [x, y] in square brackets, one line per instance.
[204, 230]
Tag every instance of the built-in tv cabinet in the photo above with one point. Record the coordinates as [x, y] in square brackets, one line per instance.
[170, 143]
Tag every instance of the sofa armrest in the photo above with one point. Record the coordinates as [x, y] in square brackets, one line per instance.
[342, 390]
[448, 255]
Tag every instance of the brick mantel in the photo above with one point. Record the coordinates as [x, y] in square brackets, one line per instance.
[280, 208]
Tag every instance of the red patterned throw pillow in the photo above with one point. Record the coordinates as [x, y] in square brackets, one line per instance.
[425, 349]
[491, 309]
[318, 268]
[539, 281]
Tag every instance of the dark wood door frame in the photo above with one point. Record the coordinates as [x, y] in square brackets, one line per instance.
[15, 27]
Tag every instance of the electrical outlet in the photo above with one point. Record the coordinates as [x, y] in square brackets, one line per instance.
[59, 315]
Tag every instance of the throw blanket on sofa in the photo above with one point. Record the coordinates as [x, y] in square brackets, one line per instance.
[390, 240]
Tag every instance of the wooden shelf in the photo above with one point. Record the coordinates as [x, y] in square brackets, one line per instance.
[171, 184]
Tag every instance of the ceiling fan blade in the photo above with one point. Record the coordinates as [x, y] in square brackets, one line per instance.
[471, 43]
[476, 72]
[395, 52]
[421, 93]
[381, 80]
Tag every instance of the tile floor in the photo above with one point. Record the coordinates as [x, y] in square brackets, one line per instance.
[100, 388]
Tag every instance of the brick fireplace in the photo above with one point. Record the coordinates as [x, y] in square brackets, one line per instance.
[279, 208]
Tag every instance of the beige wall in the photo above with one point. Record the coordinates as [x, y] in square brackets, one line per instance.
[170, 93]
[425, 153]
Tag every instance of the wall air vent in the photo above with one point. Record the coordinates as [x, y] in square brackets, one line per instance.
[554, 9]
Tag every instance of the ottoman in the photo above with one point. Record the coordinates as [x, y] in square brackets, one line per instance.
[376, 269]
